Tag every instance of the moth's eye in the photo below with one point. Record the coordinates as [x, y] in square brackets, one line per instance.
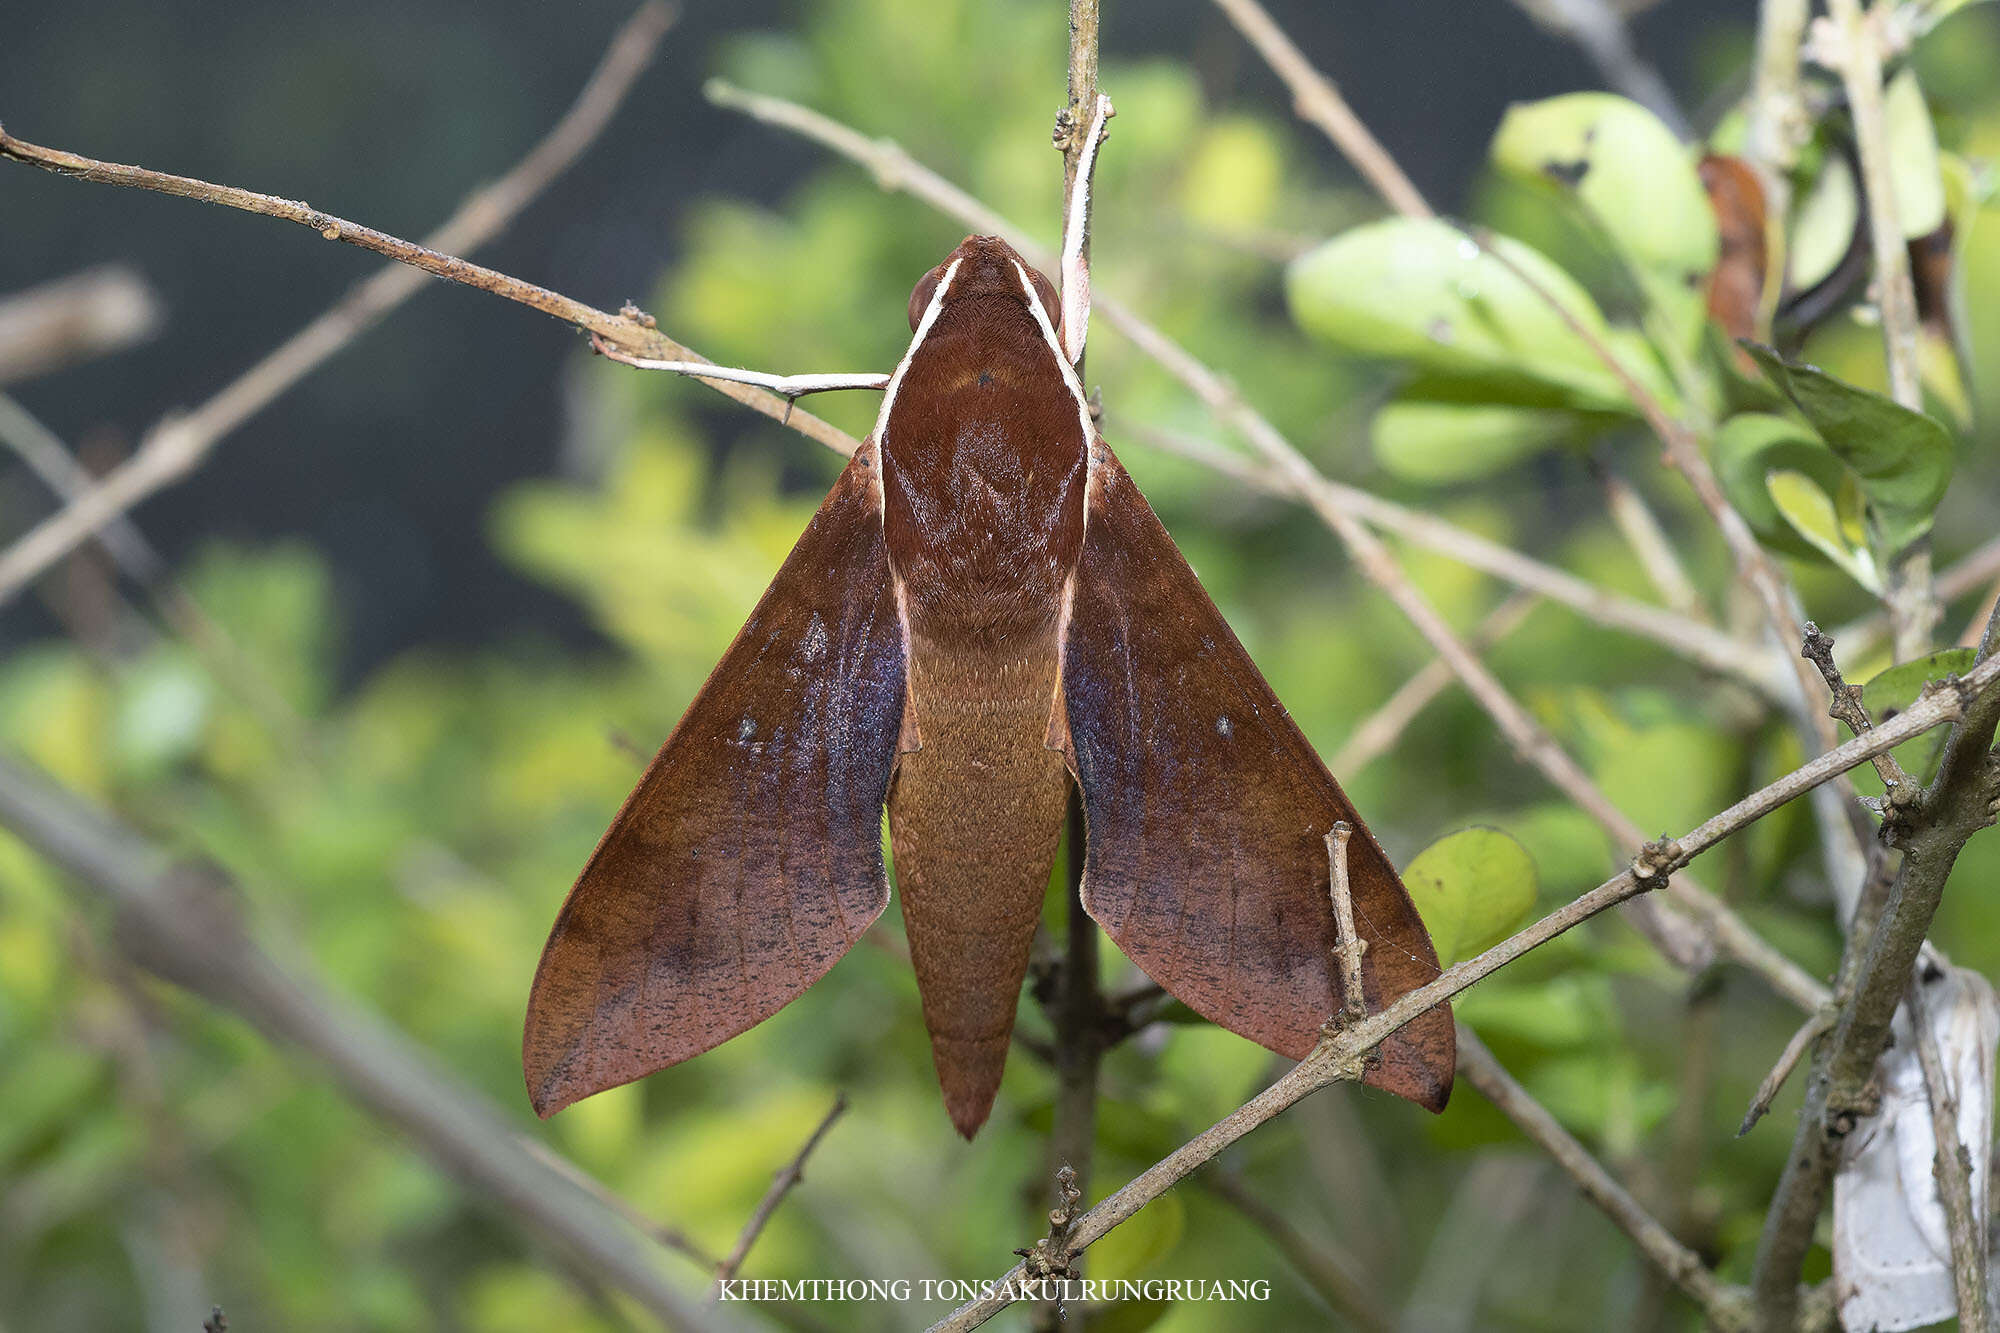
[920, 299]
[1046, 290]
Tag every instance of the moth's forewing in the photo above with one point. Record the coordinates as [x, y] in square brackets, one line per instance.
[749, 857]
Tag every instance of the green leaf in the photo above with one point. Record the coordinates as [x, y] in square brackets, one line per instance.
[1817, 518]
[1944, 353]
[1634, 180]
[1824, 228]
[1751, 445]
[1914, 173]
[1436, 443]
[1903, 458]
[1418, 290]
[1895, 689]
[1472, 888]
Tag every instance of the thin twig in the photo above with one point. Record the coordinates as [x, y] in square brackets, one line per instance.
[784, 1182]
[1722, 1306]
[1378, 733]
[1910, 598]
[1778, 125]
[1341, 1056]
[1964, 1226]
[1968, 574]
[1343, 509]
[71, 319]
[177, 444]
[1318, 102]
[1816, 1026]
[1846, 703]
[179, 922]
[1640, 527]
[1079, 1017]
[785, 386]
[1347, 942]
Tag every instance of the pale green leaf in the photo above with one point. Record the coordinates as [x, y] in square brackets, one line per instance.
[1824, 226]
[1422, 292]
[1435, 442]
[1914, 173]
[1633, 179]
[1472, 888]
[1893, 690]
[1748, 447]
[1815, 516]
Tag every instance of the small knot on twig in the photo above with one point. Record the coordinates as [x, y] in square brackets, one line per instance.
[637, 316]
[1051, 1256]
[1656, 861]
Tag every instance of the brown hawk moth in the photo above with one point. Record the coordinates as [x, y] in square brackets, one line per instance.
[983, 611]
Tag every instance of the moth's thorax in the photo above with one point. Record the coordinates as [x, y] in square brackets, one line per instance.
[983, 469]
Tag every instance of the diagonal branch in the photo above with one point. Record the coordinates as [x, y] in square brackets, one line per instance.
[1342, 1056]
[179, 921]
[1378, 733]
[1599, 30]
[177, 444]
[1318, 102]
[1722, 1307]
[784, 1182]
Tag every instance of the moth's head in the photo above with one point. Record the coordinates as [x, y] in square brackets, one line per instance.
[982, 266]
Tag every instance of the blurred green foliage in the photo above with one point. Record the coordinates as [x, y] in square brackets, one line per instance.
[414, 834]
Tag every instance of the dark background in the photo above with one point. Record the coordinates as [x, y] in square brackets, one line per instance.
[388, 113]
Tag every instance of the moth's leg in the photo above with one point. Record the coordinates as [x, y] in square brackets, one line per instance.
[1076, 226]
[785, 386]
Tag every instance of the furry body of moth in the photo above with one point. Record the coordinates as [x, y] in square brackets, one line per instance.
[984, 610]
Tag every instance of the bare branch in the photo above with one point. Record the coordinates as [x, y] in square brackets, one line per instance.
[1846, 705]
[72, 319]
[1778, 124]
[1079, 1013]
[1342, 1055]
[1319, 103]
[1347, 942]
[1640, 526]
[1911, 601]
[784, 1182]
[1972, 572]
[785, 386]
[1810, 1031]
[1723, 1307]
[179, 922]
[1378, 733]
[1599, 31]
[177, 444]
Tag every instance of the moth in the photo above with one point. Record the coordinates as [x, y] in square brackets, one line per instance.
[983, 611]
